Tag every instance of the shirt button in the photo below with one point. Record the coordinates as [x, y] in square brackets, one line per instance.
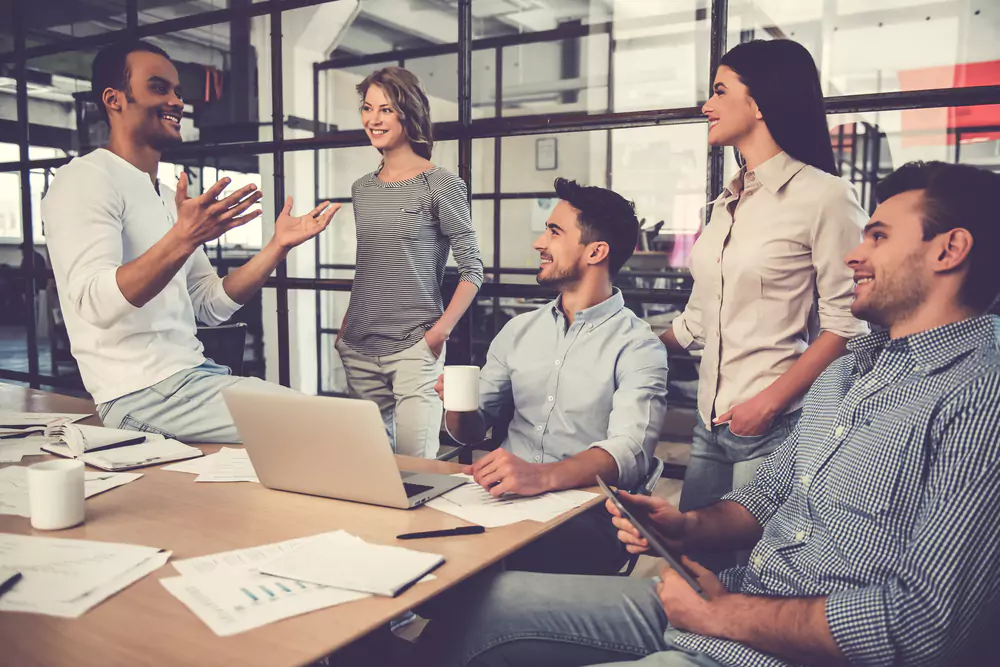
[800, 535]
[552, 398]
[538, 458]
[557, 362]
[806, 480]
[839, 431]
[758, 561]
[539, 427]
[718, 260]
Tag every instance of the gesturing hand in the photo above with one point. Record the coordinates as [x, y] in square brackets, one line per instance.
[205, 218]
[291, 231]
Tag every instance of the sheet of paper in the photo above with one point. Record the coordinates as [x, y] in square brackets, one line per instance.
[19, 420]
[474, 504]
[14, 487]
[235, 601]
[13, 450]
[240, 560]
[342, 560]
[67, 577]
[199, 465]
[233, 466]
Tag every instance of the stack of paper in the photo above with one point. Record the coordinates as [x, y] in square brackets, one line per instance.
[342, 560]
[230, 465]
[14, 422]
[12, 450]
[14, 487]
[474, 504]
[67, 577]
[230, 595]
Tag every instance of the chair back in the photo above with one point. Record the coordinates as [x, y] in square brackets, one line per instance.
[225, 344]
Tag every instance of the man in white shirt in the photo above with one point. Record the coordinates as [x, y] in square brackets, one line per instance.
[129, 265]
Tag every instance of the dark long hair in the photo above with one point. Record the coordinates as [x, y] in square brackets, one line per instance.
[783, 80]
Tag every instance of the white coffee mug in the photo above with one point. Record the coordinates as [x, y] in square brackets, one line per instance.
[55, 494]
[461, 388]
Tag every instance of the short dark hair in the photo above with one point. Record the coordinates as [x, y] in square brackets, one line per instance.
[604, 216]
[110, 69]
[957, 195]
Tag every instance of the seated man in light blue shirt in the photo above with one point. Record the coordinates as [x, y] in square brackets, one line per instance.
[584, 379]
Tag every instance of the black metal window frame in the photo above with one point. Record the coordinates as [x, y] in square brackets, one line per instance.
[465, 130]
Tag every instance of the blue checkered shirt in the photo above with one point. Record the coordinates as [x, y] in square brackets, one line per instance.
[885, 500]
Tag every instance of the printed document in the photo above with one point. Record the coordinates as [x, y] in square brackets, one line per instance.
[232, 466]
[474, 504]
[65, 578]
[342, 560]
[14, 487]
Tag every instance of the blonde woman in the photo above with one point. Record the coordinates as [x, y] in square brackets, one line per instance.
[408, 214]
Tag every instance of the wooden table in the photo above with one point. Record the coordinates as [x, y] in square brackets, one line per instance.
[146, 625]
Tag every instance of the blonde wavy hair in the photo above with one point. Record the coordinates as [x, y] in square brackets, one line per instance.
[406, 96]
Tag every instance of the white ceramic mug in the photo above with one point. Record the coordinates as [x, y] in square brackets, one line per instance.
[461, 388]
[55, 494]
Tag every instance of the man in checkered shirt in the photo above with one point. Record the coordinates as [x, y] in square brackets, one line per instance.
[875, 527]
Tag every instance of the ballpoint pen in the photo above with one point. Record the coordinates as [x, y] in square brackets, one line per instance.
[9, 583]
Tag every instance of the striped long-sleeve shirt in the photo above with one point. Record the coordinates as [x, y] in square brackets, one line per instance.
[405, 230]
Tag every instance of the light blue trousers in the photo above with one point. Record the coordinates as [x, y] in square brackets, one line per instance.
[528, 619]
[187, 406]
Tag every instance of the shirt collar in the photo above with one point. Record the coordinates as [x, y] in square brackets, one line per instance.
[932, 349]
[597, 314]
[773, 174]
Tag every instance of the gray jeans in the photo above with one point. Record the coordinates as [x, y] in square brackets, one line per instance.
[402, 385]
[527, 619]
[187, 406]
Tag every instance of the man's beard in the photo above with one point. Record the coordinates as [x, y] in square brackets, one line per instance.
[895, 295]
[560, 278]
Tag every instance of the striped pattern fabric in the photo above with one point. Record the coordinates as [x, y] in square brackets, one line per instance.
[405, 230]
[886, 500]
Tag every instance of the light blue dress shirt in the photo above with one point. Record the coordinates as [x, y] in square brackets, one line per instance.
[600, 382]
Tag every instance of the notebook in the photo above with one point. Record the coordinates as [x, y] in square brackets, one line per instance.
[115, 449]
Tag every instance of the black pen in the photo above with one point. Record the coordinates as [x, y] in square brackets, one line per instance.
[10, 582]
[461, 530]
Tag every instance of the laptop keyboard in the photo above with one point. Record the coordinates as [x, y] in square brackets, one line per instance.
[415, 489]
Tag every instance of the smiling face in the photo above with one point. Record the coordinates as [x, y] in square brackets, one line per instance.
[732, 113]
[561, 253]
[151, 108]
[892, 266]
[381, 121]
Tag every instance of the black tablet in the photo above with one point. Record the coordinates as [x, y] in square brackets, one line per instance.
[657, 544]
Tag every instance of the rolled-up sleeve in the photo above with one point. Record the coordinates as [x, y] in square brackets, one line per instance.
[637, 409]
[212, 305]
[688, 328]
[836, 231]
[938, 598]
[83, 227]
[452, 205]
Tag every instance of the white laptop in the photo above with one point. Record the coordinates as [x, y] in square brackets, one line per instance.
[324, 446]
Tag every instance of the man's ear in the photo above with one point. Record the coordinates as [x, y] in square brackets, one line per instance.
[952, 249]
[110, 99]
[597, 252]
[756, 109]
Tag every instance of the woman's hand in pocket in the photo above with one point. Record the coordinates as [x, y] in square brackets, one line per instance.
[435, 341]
[750, 419]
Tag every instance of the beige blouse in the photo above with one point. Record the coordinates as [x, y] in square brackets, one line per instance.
[769, 276]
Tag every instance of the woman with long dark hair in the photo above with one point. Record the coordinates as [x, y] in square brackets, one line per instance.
[771, 301]
[408, 214]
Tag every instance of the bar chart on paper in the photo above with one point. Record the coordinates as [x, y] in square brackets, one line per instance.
[231, 603]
